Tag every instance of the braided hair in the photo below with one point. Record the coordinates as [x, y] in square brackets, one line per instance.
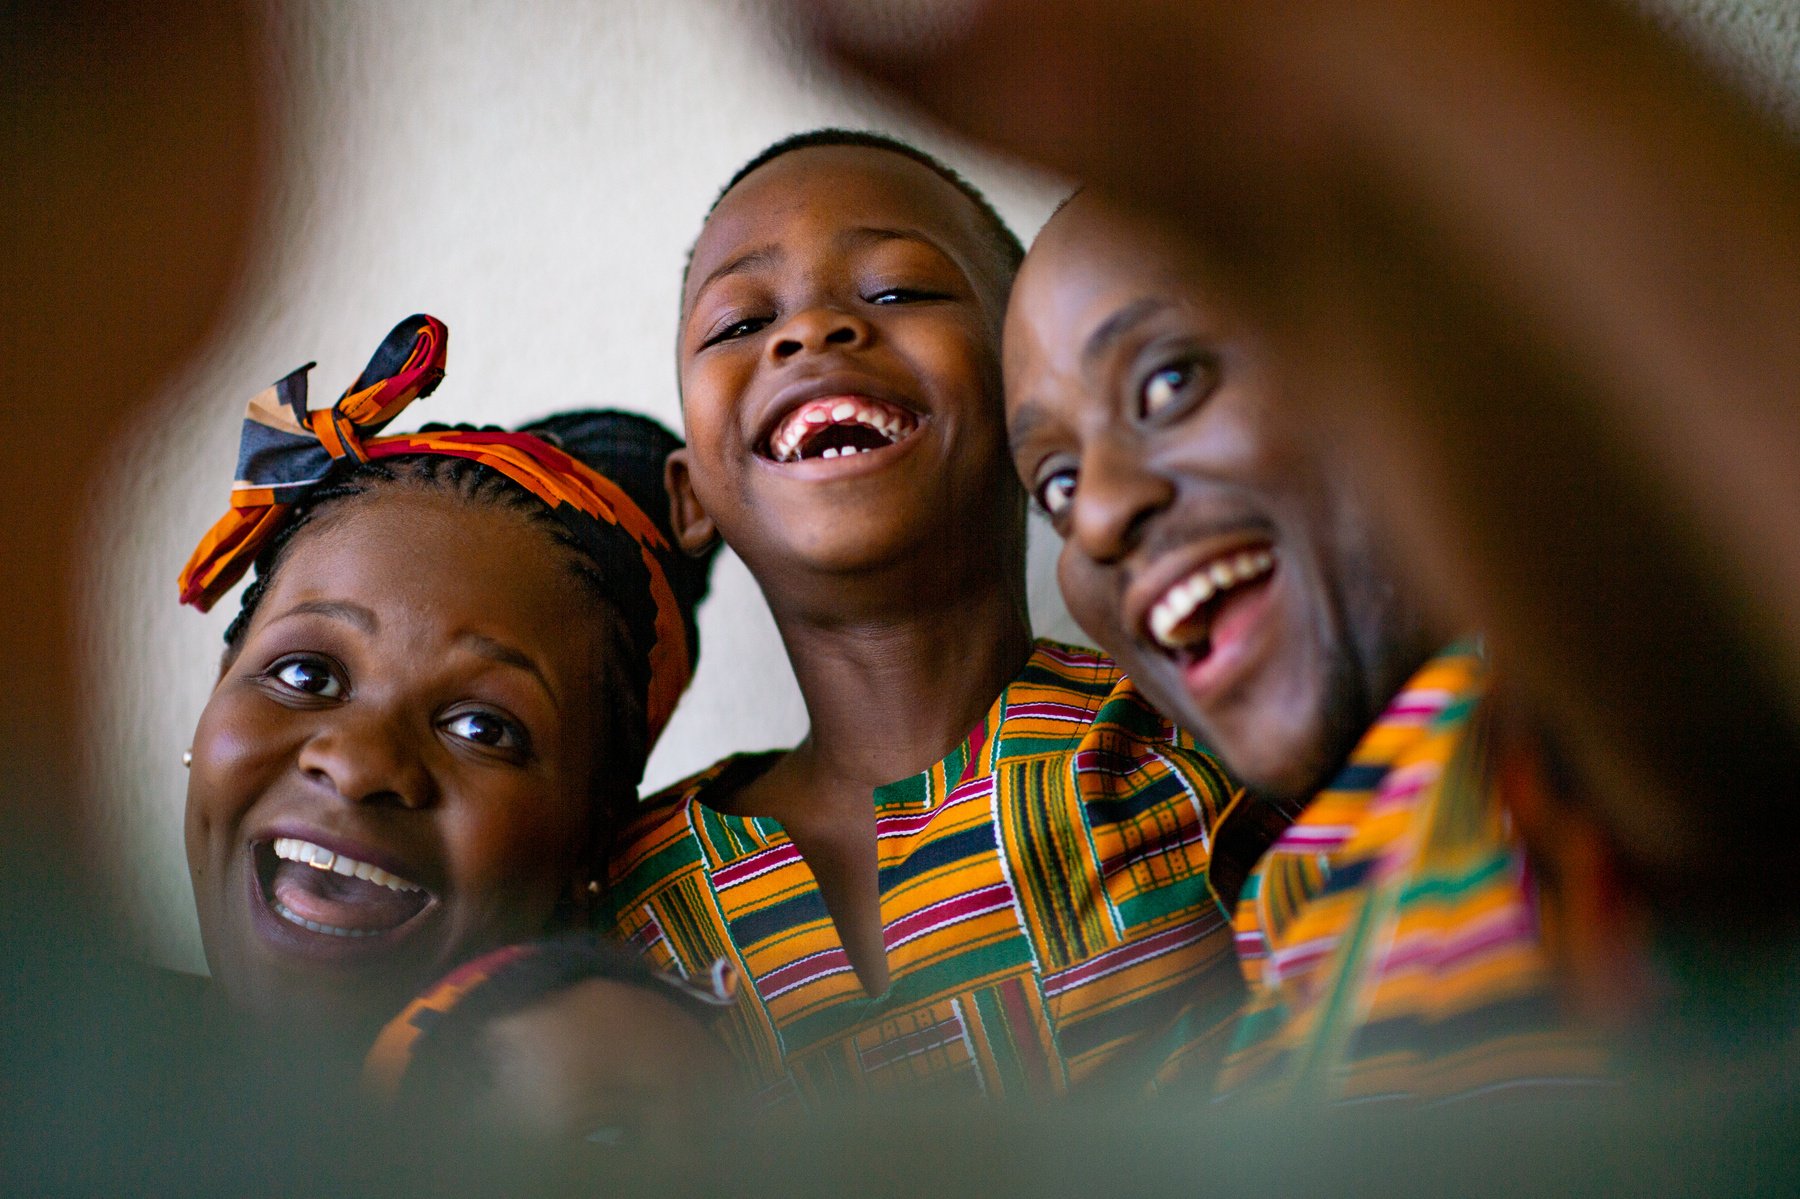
[628, 449]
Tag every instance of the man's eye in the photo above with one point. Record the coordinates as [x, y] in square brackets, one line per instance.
[485, 728]
[1164, 388]
[1172, 389]
[1056, 492]
[309, 676]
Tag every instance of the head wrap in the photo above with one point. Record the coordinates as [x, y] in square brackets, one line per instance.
[286, 450]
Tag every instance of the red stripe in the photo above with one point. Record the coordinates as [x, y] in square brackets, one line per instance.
[796, 974]
[761, 861]
[946, 912]
[1023, 1028]
[1126, 956]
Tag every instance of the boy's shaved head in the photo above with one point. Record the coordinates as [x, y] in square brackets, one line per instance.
[1008, 252]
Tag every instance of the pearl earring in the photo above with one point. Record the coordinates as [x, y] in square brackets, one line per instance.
[593, 886]
[187, 758]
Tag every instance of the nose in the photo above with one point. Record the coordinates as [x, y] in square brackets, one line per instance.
[1115, 494]
[369, 761]
[815, 329]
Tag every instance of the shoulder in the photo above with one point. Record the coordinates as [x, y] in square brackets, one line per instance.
[657, 840]
[1077, 702]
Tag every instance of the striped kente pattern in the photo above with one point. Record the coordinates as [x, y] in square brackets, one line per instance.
[1390, 939]
[1044, 894]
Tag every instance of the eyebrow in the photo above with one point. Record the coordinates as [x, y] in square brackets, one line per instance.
[499, 651]
[1118, 325]
[349, 613]
[1024, 422]
[749, 259]
[869, 235]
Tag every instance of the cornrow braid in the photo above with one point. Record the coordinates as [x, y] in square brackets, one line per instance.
[627, 448]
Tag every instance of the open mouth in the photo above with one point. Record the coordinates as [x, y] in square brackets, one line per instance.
[1191, 615]
[333, 894]
[839, 427]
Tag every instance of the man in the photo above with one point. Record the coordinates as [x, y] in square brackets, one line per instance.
[1220, 551]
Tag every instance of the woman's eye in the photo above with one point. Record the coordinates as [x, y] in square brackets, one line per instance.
[485, 728]
[309, 676]
[1056, 492]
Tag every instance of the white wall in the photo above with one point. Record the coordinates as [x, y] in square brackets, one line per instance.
[532, 172]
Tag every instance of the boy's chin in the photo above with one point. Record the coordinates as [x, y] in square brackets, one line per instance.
[842, 545]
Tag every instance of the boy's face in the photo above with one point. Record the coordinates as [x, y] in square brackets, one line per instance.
[410, 708]
[1208, 545]
[839, 367]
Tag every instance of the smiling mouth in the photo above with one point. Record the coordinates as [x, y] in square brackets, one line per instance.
[1184, 619]
[839, 427]
[333, 894]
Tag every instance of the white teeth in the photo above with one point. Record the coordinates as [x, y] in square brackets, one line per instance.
[811, 417]
[1179, 603]
[293, 849]
[331, 930]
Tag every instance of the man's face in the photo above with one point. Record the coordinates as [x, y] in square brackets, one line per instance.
[839, 365]
[1207, 543]
[393, 772]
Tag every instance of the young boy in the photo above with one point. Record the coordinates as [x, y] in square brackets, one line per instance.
[1391, 938]
[987, 864]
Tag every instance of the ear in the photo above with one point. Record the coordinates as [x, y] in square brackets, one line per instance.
[694, 529]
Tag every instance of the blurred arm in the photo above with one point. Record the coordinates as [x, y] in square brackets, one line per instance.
[1544, 275]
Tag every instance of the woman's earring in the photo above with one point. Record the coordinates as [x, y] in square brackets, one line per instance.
[187, 758]
[593, 886]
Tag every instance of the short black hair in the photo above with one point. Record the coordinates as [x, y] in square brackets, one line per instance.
[1001, 239]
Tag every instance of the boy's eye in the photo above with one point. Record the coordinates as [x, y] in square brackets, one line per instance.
[736, 329]
[1171, 390]
[486, 729]
[1055, 492]
[904, 295]
[309, 676]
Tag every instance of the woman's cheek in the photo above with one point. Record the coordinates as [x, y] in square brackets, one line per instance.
[234, 749]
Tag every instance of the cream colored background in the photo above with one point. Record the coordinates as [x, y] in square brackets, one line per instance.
[532, 172]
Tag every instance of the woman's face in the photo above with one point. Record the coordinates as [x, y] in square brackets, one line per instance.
[393, 773]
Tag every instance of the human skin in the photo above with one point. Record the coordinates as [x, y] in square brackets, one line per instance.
[1537, 273]
[1151, 429]
[604, 1059]
[93, 92]
[416, 691]
[896, 577]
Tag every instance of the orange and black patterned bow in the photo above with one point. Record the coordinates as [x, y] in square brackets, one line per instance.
[286, 450]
